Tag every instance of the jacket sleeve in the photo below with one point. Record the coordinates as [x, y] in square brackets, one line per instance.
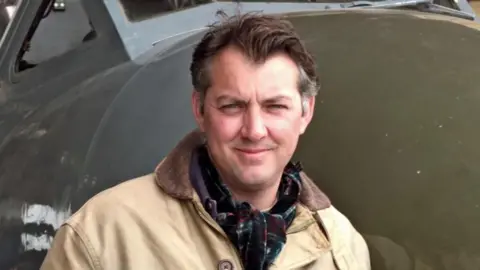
[69, 251]
[360, 250]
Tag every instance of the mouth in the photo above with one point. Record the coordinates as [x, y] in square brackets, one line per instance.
[252, 151]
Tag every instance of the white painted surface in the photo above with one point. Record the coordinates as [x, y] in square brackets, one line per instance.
[45, 214]
[32, 242]
[37, 213]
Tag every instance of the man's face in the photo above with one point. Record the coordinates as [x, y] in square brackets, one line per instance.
[252, 117]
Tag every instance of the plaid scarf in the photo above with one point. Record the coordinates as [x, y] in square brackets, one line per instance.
[258, 236]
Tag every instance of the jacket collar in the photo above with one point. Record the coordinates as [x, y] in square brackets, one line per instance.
[172, 175]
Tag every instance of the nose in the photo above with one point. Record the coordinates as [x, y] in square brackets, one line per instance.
[253, 128]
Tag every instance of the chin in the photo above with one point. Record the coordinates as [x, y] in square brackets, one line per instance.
[254, 178]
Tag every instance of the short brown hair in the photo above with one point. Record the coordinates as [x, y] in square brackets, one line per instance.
[258, 36]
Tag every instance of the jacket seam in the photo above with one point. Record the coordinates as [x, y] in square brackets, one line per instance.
[88, 246]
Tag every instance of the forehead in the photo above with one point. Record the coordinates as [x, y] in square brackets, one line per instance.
[233, 73]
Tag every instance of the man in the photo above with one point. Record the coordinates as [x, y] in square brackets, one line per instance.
[227, 197]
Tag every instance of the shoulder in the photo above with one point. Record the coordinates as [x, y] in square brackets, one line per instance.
[125, 213]
[333, 219]
[338, 225]
[100, 223]
[117, 219]
[344, 237]
[126, 201]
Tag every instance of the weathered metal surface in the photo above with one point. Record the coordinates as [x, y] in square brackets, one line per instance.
[393, 142]
[395, 139]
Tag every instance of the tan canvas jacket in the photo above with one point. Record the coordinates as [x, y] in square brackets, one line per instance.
[158, 222]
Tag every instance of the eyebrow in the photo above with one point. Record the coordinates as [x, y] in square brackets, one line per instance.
[224, 98]
[278, 98]
[273, 99]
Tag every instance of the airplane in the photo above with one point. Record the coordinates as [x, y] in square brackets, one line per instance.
[98, 92]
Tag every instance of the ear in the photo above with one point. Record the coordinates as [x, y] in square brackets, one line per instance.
[308, 110]
[197, 110]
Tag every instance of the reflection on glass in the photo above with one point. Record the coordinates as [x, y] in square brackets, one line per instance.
[10, 11]
[59, 31]
[7, 11]
[137, 10]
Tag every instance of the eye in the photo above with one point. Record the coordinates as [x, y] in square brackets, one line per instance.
[277, 107]
[231, 108]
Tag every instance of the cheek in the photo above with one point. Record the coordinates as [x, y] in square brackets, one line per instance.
[288, 124]
[223, 128]
[285, 130]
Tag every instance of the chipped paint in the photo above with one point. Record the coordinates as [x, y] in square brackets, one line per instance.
[33, 242]
[42, 214]
[37, 213]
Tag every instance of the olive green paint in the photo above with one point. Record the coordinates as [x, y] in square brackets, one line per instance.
[395, 141]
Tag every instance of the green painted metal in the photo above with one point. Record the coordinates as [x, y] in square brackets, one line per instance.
[395, 141]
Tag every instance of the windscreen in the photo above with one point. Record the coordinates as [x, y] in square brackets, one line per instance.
[137, 10]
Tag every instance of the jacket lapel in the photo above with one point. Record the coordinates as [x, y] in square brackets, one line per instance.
[305, 244]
